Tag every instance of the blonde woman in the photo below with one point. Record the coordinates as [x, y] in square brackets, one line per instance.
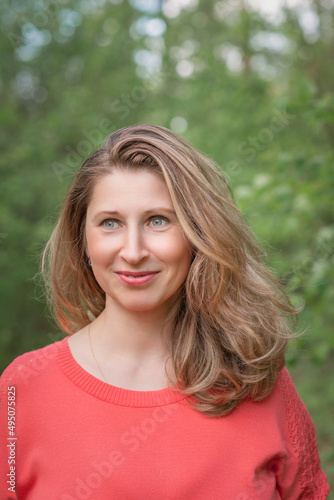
[170, 383]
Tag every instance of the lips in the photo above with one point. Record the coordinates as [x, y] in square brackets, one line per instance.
[136, 277]
[136, 273]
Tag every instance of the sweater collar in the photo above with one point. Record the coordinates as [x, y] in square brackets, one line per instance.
[109, 393]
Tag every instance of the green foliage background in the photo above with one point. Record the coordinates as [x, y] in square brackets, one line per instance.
[250, 89]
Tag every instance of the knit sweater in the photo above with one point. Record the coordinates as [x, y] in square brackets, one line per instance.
[66, 435]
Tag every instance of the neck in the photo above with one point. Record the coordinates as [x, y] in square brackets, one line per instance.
[132, 334]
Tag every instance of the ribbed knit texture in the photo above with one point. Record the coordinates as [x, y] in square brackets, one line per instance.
[79, 438]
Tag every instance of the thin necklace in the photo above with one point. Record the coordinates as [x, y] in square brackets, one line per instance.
[91, 346]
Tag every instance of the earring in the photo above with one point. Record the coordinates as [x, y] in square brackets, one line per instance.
[90, 263]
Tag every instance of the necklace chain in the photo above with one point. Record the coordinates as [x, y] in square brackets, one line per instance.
[91, 346]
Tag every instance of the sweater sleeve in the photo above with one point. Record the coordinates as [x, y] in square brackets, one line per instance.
[300, 477]
[8, 437]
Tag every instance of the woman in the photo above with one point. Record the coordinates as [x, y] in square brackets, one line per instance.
[171, 382]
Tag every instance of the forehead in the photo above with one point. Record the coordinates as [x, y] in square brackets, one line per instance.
[126, 189]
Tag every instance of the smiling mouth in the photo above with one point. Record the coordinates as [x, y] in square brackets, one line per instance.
[136, 278]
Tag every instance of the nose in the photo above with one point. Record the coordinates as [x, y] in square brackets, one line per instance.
[134, 248]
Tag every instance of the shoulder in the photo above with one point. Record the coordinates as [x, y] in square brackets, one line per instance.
[281, 417]
[286, 398]
[20, 370]
[298, 423]
[282, 399]
[286, 407]
[284, 389]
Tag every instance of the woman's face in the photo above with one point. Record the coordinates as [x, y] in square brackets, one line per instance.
[140, 256]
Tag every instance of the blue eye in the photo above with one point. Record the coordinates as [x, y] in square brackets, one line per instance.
[158, 221]
[109, 224]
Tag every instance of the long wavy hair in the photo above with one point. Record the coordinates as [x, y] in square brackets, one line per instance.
[232, 319]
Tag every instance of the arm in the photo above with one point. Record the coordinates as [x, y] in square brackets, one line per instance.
[299, 476]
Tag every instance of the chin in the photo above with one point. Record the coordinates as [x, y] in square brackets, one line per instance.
[141, 307]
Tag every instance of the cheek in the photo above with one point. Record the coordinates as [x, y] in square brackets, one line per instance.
[99, 247]
[177, 253]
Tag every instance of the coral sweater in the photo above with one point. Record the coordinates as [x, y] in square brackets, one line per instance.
[75, 437]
